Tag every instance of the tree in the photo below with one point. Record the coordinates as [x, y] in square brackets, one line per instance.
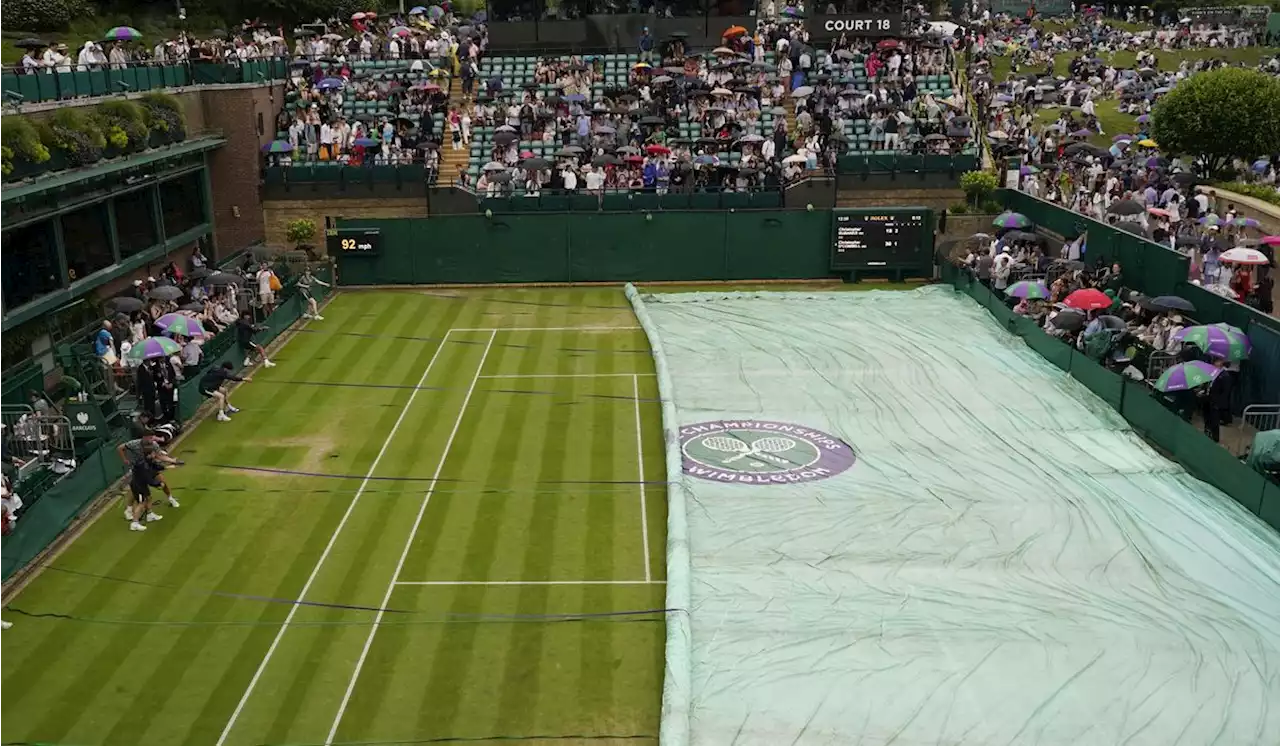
[1219, 115]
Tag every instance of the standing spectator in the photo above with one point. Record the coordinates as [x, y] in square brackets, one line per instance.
[646, 46]
[266, 289]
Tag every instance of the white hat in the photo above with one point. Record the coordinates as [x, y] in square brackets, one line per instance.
[151, 279]
[136, 283]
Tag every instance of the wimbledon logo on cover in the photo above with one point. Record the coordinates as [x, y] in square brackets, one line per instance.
[761, 452]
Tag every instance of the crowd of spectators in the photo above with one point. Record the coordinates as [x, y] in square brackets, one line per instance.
[251, 41]
[1126, 182]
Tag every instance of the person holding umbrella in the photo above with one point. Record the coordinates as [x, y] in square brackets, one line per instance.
[1217, 400]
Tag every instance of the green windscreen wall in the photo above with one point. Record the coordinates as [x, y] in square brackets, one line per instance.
[599, 247]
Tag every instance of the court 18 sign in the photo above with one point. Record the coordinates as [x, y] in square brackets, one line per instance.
[761, 452]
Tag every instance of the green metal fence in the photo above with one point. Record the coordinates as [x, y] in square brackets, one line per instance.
[1140, 407]
[54, 86]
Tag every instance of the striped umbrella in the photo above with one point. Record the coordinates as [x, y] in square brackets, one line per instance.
[152, 348]
[1011, 220]
[1187, 376]
[1028, 170]
[278, 146]
[181, 325]
[1246, 223]
[1210, 220]
[1029, 289]
[1221, 341]
[123, 33]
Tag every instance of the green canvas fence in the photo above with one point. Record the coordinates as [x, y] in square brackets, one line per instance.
[596, 247]
[28, 89]
[1142, 409]
[1154, 270]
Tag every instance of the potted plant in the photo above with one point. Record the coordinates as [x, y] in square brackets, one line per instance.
[164, 119]
[73, 133]
[23, 153]
[299, 232]
[978, 187]
[124, 125]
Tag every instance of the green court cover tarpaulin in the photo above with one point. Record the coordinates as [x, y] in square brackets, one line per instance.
[892, 522]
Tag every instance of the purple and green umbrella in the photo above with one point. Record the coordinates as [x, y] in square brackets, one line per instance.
[1011, 220]
[278, 146]
[152, 348]
[1028, 170]
[1124, 138]
[435, 12]
[1246, 223]
[123, 33]
[329, 84]
[181, 325]
[1144, 119]
[1082, 133]
[1028, 289]
[1186, 376]
[417, 10]
[1220, 340]
[1210, 220]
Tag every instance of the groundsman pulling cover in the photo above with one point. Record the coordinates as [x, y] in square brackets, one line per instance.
[892, 522]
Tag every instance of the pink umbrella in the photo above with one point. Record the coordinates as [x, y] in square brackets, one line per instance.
[1270, 240]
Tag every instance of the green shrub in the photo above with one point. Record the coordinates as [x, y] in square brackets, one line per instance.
[300, 231]
[124, 123]
[43, 15]
[21, 142]
[1257, 191]
[958, 208]
[163, 113]
[978, 186]
[75, 133]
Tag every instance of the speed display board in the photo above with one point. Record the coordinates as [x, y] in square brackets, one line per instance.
[889, 238]
[353, 241]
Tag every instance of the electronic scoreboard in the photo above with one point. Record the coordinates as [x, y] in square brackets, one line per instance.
[353, 241]
[896, 239]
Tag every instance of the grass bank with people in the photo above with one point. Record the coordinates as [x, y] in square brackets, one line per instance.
[1001, 67]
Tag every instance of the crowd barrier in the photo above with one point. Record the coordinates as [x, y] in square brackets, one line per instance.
[1154, 269]
[594, 247]
[48, 514]
[1141, 408]
[54, 86]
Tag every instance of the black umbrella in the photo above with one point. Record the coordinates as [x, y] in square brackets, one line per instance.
[1128, 226]
[1069, 320]
[504, 137]
[31, 43]
[126, 304]
[1174, 303]
[1126, 207]
[535, 163]
[223, 278]
[501, 177]
[605, 160]
[199, 273]
[192, 306]
[1188, 241]
[164, 292]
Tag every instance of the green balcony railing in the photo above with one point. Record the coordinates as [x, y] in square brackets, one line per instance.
[20, 88]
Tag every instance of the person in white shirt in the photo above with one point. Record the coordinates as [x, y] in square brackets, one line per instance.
[570, 180]
[117, 58]
[595, 180]
[29, 63]
[266, 295]
[327, 136]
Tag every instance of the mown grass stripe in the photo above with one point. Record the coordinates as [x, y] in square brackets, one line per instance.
[227, 694]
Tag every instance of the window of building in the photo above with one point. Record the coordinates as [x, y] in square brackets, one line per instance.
[182, 204]
[87, 241]
[135, 225]
[30, 264]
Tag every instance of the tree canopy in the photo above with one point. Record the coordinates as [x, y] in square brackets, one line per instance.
[1219, 115]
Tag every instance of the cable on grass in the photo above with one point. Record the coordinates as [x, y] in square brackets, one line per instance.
[448, 618]
[485, 739]
[322, 475]
[637, 617]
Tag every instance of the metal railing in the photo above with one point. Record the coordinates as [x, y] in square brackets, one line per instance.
[33, 437]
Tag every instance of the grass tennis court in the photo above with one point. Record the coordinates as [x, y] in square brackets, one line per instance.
[484, 466]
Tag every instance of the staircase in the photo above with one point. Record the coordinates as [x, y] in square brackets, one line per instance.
[450, 159]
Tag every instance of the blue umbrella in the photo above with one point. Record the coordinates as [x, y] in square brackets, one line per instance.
[575, 97]
[329, 84]
[366, 142]
[435, 12]
[418, 10]
[1261, 164]
[706, 160]
[480, 17]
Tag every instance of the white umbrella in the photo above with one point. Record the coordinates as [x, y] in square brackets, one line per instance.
[794, 159]
[723, 50]
[997, 135]
[494, 166]
[1243, 255]
[802, 91]
[721, 92]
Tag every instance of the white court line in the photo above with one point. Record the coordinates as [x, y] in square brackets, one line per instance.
[408, 544]
[644, 508]
[547, 329]
[315, 571]
[530, 582]
[565, 375]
